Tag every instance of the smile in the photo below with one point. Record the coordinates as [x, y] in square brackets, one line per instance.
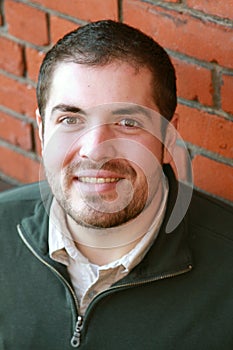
[98, 180]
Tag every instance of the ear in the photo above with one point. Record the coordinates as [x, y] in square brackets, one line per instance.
[40, 126]
[170, 140]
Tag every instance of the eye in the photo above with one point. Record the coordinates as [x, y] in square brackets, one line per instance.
[129, 123]
[70, 120]
[71, 123]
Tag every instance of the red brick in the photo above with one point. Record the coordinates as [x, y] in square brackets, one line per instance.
[193, 82]
[18, 166]
[11, 58]
[15, 131]
[227, 93]
[18, 97]
[34, 59]
[87, 10]
[206, 130]
[59, 27]
[218, 8]
[26, 23]
[181, 32]
[213, 177]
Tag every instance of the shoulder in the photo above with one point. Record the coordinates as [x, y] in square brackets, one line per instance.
[21, 201]
[30, 191]
[212, 215]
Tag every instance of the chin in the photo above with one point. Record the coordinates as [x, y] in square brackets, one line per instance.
[89, 217]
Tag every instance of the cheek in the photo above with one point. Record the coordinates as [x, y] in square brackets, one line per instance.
[58, 151]
[150, 163]
[155, 147]
[149, 150]
[145, 156]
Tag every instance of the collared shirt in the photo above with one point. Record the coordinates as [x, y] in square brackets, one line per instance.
[89, 279]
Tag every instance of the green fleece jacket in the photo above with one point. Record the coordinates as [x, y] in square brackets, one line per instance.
[180, 297]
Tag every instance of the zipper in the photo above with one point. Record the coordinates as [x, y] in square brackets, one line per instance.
[75, 340]
[128, 285]
[158, 278]
[154, 279]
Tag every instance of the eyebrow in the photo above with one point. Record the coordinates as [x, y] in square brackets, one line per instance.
[123, 110]
[133, 110]
[67, 108]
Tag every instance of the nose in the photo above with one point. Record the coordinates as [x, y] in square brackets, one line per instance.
[98, 143]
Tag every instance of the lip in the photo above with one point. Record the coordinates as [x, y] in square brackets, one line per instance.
[97, 181]
[103, 174]
[93, 187]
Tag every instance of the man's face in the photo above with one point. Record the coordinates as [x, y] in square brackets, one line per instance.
[102, 147]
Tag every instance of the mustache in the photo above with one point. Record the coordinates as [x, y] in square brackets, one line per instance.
[121, 166]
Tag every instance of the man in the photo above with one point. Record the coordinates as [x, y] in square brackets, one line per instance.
[87, 261]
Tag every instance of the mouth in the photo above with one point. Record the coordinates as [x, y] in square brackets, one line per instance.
[98, 180]
[104, 182]
[107, 181]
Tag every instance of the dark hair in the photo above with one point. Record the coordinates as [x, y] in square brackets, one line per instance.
[102, 42]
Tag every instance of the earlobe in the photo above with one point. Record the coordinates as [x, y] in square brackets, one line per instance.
[40, 127]
[170, 140]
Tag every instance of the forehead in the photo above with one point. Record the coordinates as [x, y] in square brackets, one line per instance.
[90, 86]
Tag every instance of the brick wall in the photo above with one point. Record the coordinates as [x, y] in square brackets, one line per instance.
[198, 35]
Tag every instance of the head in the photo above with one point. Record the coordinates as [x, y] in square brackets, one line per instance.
[103, 42]
[99, 90]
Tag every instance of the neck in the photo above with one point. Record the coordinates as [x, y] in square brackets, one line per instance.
[103, 256]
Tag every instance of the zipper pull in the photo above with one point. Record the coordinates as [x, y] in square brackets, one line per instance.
[75, 341]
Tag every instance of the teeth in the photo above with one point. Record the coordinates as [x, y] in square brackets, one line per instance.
[98, 180]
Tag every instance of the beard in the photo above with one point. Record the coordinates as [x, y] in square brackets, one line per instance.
[100, 210]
